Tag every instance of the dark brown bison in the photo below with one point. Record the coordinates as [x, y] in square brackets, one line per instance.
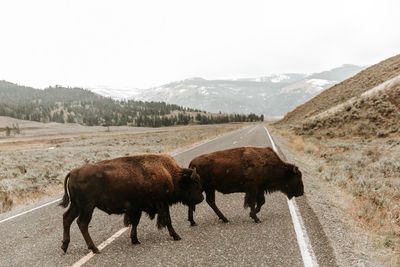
[128, 185]
[251, 170]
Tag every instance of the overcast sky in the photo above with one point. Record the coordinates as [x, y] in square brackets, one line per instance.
[148, 43]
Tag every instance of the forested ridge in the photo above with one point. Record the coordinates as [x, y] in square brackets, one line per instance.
[77, 105]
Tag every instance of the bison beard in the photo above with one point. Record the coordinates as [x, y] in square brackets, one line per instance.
[128, 185]
[252, 170]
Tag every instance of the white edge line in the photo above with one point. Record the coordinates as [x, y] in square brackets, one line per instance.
[100, 247]
[25, 212]
[121, 231]
[307, 252]
[174, 154]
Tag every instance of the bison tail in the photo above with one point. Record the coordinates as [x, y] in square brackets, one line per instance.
[162, 221]
[246, 201]
[65, 200]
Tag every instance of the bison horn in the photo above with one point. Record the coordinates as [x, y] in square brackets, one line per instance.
[194, 173]
[295, 169]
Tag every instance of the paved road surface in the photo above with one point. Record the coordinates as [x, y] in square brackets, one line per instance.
[34, 239]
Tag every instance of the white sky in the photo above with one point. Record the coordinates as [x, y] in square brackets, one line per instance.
[148, 43]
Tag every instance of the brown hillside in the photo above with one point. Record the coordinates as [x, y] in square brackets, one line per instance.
[376, 114]
[354, 86]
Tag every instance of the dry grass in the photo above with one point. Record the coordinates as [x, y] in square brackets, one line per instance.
[354, 128]
[376, 115]
[33, 169]
[368, 170]
[296, 142]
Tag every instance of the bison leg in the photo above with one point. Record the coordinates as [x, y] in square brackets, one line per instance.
[164, 219]
[68, 217]
[260, 201]
[250, 198]
[190, 215]
[135, 218]
[210, 198]
[83, 222]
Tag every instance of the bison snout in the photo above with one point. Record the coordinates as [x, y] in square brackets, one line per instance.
[200, 199]
[295, 194]
[299, 194]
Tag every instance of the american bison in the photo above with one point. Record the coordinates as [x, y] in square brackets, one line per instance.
[128, 185]
[251, 170]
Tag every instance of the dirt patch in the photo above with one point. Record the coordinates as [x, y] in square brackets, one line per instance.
[36, 168]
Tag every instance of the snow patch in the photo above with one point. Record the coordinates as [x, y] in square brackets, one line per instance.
[203, 90]
[277, 78]
[319, 82]
[116, 93]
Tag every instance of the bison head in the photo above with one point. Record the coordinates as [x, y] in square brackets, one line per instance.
[191, 190]
[293, 184]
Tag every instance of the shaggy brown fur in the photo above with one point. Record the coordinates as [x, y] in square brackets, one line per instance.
[251, 170]
[128, 185]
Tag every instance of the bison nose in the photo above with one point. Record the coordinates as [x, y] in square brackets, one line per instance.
[200, 199]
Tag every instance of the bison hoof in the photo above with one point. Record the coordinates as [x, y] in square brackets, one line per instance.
[95, 250]
[177, 237]
[193, 223]
[256, 220]
[64, 246]
[135, 241]
[225, 220]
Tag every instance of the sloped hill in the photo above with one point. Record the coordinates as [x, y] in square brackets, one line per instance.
[352, 87]
[376, 112]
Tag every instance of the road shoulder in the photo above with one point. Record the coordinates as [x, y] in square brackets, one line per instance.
[350, 245]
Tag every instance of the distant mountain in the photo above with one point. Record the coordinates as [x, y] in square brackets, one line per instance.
[77, 105]
[272, 95]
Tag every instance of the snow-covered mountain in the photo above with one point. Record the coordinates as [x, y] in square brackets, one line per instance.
[122, 93]
[272, 95]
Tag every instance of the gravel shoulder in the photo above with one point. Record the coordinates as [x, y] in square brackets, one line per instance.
[352, 243]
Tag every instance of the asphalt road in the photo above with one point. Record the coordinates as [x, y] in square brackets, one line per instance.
[34, 239]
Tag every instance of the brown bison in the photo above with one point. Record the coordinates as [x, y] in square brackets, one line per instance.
[128, 185]
[251, 170]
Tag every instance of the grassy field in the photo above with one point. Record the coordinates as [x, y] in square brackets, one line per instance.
[365, 174]
[34, 164]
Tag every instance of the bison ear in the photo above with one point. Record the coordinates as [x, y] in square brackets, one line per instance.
[186, 177]
[291, 169]
[187, 173]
